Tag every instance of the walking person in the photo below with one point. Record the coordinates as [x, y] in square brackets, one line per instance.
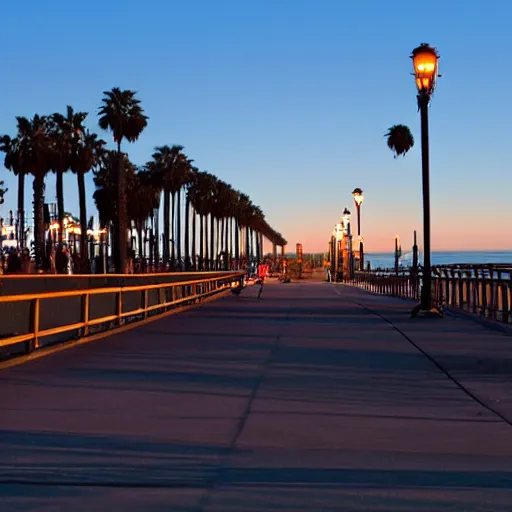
[261, 283]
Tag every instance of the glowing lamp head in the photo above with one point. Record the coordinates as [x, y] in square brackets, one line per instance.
[346, 217]
[425, 60]
[357, 193]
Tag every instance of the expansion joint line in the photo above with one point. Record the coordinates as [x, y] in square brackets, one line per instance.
[438, 365]
[213, 481]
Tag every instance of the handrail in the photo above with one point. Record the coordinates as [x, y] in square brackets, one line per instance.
[107, 275]
[478, 289]
[99, 291]
[181, 292]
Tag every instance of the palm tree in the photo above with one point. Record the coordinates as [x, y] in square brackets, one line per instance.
[190, 252]
[105, 179]
[184, 175]
[243, 213]
[143, 196]
[65, 131]
[33, 154]
[232, 210]
[168, 168]
[200, 193]
[154, 172]
[257, 223]
[12, 162]
[122, 114]
[220, 212]
[400, 139]
[86, 152]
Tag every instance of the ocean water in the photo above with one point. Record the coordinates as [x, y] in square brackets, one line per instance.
[383, 259]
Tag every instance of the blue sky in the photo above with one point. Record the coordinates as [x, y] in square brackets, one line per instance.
[289, 102]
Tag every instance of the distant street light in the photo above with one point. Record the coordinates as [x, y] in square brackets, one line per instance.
[337, 236]
[357, 193]
[346, 220]
[425, 59]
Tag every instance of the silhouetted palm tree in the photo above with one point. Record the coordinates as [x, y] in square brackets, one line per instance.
[143, 196]
[399, 139]
[12, 161]
[200, 193]
[190, 251]
[105, 179]
[63, 131]
[122, 114]
[168, 167]
[220, 213]
[184, 175]
[35, 155]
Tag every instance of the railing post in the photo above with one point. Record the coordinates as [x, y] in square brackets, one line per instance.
[476, 292]
[85, 313]
[145, 302]
[493, 303]
[507, 302]
[34, 327]
[484, 297]
[119, 307]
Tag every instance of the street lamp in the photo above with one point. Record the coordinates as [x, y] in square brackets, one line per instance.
[425, 60]
[357, 193]
[337, 237]
[346, 220]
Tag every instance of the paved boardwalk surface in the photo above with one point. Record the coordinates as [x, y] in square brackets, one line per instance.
[307, 400]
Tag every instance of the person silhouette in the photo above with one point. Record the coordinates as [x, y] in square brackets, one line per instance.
[261, 282]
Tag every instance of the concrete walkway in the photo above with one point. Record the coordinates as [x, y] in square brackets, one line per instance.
[307, 400]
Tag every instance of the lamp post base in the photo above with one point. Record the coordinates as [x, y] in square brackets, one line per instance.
[426, 313]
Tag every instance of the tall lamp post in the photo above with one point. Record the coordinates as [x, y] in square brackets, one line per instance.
[347, 245]
[357, 193]
[425, 60]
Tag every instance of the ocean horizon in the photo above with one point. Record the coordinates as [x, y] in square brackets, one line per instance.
[387, 259]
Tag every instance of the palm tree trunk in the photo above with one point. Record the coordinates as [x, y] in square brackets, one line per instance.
[38, 219]
[140, 242]
[151, 255]
[247, 243]
[212, 241]
[187, 233]
[167, 208]
[194, 239]
[122, 221]
[173, 232]
[156, 237]
[218, 239]
[60, 204]
[221, 227]
[230, 241]
[21, 210]
[178, 229]
[257, 242]
[206, 238]
[84, 257]
[201, 242]
[237, 240]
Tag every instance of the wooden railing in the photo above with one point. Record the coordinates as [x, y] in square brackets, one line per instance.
[113, 307]
[484, 290]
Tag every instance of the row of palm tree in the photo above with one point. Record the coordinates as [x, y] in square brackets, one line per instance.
[129, 195]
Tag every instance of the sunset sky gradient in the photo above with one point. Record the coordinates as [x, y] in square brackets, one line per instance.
[289, 102]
